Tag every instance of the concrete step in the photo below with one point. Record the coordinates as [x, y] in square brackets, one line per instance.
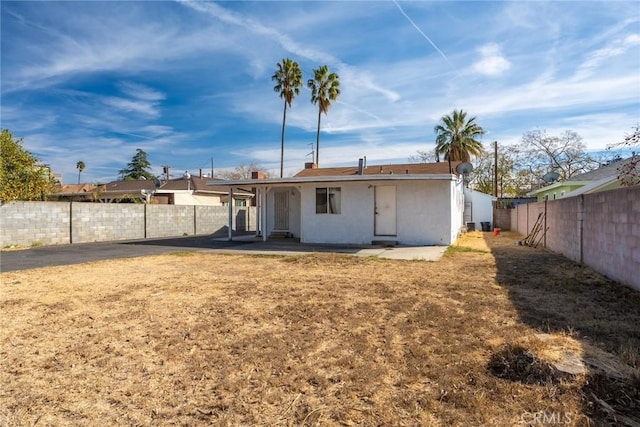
[388, 243]
[280, 235]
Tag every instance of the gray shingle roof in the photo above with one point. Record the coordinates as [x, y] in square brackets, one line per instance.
[610, 170]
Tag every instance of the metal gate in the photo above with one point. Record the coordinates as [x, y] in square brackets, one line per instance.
[281, 210]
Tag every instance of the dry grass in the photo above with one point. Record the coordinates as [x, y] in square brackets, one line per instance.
[200, 339]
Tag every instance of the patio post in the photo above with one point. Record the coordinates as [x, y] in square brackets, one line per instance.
[230, 237]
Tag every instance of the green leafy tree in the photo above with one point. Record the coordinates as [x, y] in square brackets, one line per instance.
[21, 175]
[484, 169]
[80, 166]
[288, 80]
[325, 88]
[456, 137]
[137, 168]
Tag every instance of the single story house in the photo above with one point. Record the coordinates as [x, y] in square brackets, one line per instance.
[601, 179]
[412, 204]
[192, 190]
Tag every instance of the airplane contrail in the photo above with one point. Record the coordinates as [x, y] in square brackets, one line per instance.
[423, 34]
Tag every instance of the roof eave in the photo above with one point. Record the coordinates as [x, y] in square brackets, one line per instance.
[350, 178]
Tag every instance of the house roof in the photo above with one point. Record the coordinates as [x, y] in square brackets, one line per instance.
[401, 172]
[200, 185]
[594, 186]
[397, 169]
[605, 174]
[607, 171]
[76, 188]
[129, 186]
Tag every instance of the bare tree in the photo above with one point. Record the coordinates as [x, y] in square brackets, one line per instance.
[629, 171]
[243, 171]
[423, 156]
[539, 153]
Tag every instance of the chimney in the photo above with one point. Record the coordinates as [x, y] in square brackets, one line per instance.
[257, 175]
[360, 166]
[200, 172]
[311, 165]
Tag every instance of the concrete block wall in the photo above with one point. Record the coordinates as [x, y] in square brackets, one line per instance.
[502, 218]
[563, 235]
[212, 220]
[242, 219]
[34, 223]
[56, 223]
[170, 221]
[611, 234]
[99, 222]
[601, 230]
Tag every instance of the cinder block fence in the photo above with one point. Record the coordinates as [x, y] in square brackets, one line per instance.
[601, 230]
[58, 223]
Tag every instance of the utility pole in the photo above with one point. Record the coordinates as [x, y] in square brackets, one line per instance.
[212, 167]
[495, 168]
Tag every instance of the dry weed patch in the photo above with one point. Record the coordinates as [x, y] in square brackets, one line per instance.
[321, 339]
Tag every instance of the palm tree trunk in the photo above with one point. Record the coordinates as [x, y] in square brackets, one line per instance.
[79, 175]
[284, 119]
[318, 140]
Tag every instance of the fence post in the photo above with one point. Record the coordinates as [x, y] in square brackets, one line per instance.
[145, 220]
[70, 222]
[545, 223]
[581, 226]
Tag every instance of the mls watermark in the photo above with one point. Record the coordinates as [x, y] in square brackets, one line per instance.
[546, 418]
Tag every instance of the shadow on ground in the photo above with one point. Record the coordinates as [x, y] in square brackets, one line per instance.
[556, 295]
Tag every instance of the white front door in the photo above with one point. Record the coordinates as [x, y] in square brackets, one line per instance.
[281, 210]
[385, 210]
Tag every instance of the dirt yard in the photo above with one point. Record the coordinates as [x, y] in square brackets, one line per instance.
[202, 339]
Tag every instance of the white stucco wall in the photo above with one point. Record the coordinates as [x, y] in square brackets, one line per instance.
[457, 209]
[429, 212]
[199, 200]
[481, 206]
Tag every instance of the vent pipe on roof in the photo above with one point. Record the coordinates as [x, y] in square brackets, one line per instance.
[360, 166]
[365, 162]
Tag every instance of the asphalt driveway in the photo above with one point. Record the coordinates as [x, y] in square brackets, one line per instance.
[44, 256]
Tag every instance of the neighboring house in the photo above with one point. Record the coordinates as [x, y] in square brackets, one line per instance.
[413, 204]
[75, 193]
[190, 190]
[130, 191]
[601, 179]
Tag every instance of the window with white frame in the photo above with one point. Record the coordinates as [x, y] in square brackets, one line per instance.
[328, 200]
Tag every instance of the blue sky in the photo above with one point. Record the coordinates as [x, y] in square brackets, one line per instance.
[191, 81]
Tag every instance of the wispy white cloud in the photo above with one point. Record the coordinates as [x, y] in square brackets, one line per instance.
[132, 106]
[299, 50]
[492, 62]
[614, 48]
[140, 91]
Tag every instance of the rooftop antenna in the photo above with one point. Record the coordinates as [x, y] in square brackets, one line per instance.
[550, 177]
[312, 153]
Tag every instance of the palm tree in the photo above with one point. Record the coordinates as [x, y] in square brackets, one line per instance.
[289, 79]
[80, 166]
[325, 88]
[456, 137]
